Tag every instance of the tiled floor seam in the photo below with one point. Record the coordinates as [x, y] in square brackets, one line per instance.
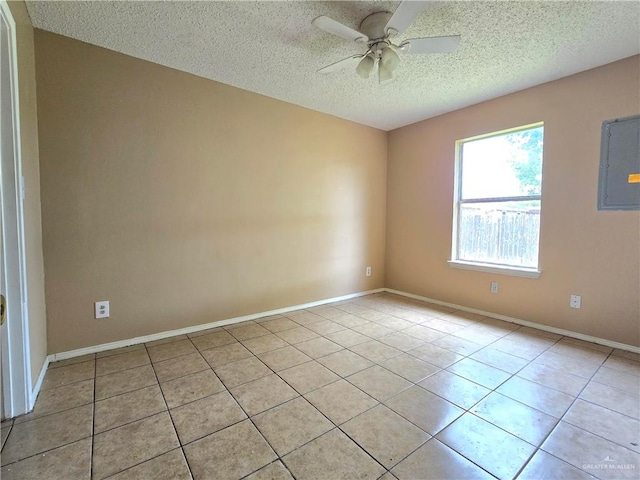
[173, 358]
[399, 461]
[350, 438]
[256, 428]
[276, 460]
[588, 380]
[547, 386]
[433, 438]
[398, 393]
[182, 445]
[49, 450]
[589, 432]
[93, 416]
[132, 421]
[145, 461]
[316, 408]
[466, 410]
[577, 397]
[116, 351]
[10, 427]
[175, 431]
[539, 447]
[123, 393]
[70, 383]
[574, 397]
[116, 371]
[526, 463]
[469, 410]
[39, 417]
[600, 406]
[168, 410]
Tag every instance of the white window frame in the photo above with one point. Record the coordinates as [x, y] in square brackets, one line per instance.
[455, 262]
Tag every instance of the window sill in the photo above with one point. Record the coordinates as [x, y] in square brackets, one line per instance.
[485, 267]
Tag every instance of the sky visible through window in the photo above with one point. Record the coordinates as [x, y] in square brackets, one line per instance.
[507, 165]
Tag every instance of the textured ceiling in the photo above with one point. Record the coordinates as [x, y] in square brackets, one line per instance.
[271, 48]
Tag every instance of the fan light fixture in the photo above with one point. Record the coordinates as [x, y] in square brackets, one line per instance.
[378, 31]
[389, 59]
[385, 75]
[384, 58]
[365, 67]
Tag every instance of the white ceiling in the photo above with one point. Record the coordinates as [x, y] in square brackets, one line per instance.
[271, 47]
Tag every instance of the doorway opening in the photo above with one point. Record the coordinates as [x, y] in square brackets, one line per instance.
[16, 369]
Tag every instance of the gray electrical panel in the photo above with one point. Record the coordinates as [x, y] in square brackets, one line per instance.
[619, 184]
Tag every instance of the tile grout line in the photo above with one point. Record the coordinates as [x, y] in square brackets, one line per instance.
[376, 363]
[173, 425]
[63, 444]
[149, 416]
[576, 398]
[539, 447]
[38, 454]
[301, 395]
[359, 414]
[10, 427]
[278, 457]
[387, 470]
[536, 448]
[466, 410]
[494, 390]
[266, 440]
[414, 384]
[531, 361]
[248, 417]
[5, 442]
[93, 417]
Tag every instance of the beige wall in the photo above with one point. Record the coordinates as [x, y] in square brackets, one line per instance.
[31, 173]
[183, 201]
[582, 251]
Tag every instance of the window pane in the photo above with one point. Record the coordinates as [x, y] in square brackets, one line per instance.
[500, 232]
[506, 165]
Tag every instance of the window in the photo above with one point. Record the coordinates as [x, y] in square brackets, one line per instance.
[497, 201]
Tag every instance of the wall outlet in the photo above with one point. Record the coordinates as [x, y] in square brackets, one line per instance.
[368, 272]
[102, 309]
[575, 301]
[494, 287]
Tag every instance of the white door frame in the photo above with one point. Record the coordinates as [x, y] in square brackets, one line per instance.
[17, 392]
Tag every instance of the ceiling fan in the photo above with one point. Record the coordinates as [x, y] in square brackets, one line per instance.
[376, 31]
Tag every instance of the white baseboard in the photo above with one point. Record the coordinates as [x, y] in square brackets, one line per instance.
[253, 316]
[36, 388]
[220, 323]
[539, 326]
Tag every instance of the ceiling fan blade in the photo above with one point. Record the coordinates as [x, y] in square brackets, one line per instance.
[404, 16]
[430, 45]
[342, 64]
[336, 28]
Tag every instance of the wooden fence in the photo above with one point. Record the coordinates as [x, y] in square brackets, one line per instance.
[494, 234]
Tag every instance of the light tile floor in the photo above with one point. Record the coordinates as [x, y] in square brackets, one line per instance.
[375, 387]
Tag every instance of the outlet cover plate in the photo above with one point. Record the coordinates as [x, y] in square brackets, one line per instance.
[575, 301]
[495, 287]
[102, 309]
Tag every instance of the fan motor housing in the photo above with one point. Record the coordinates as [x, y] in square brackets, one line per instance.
[373, 25]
